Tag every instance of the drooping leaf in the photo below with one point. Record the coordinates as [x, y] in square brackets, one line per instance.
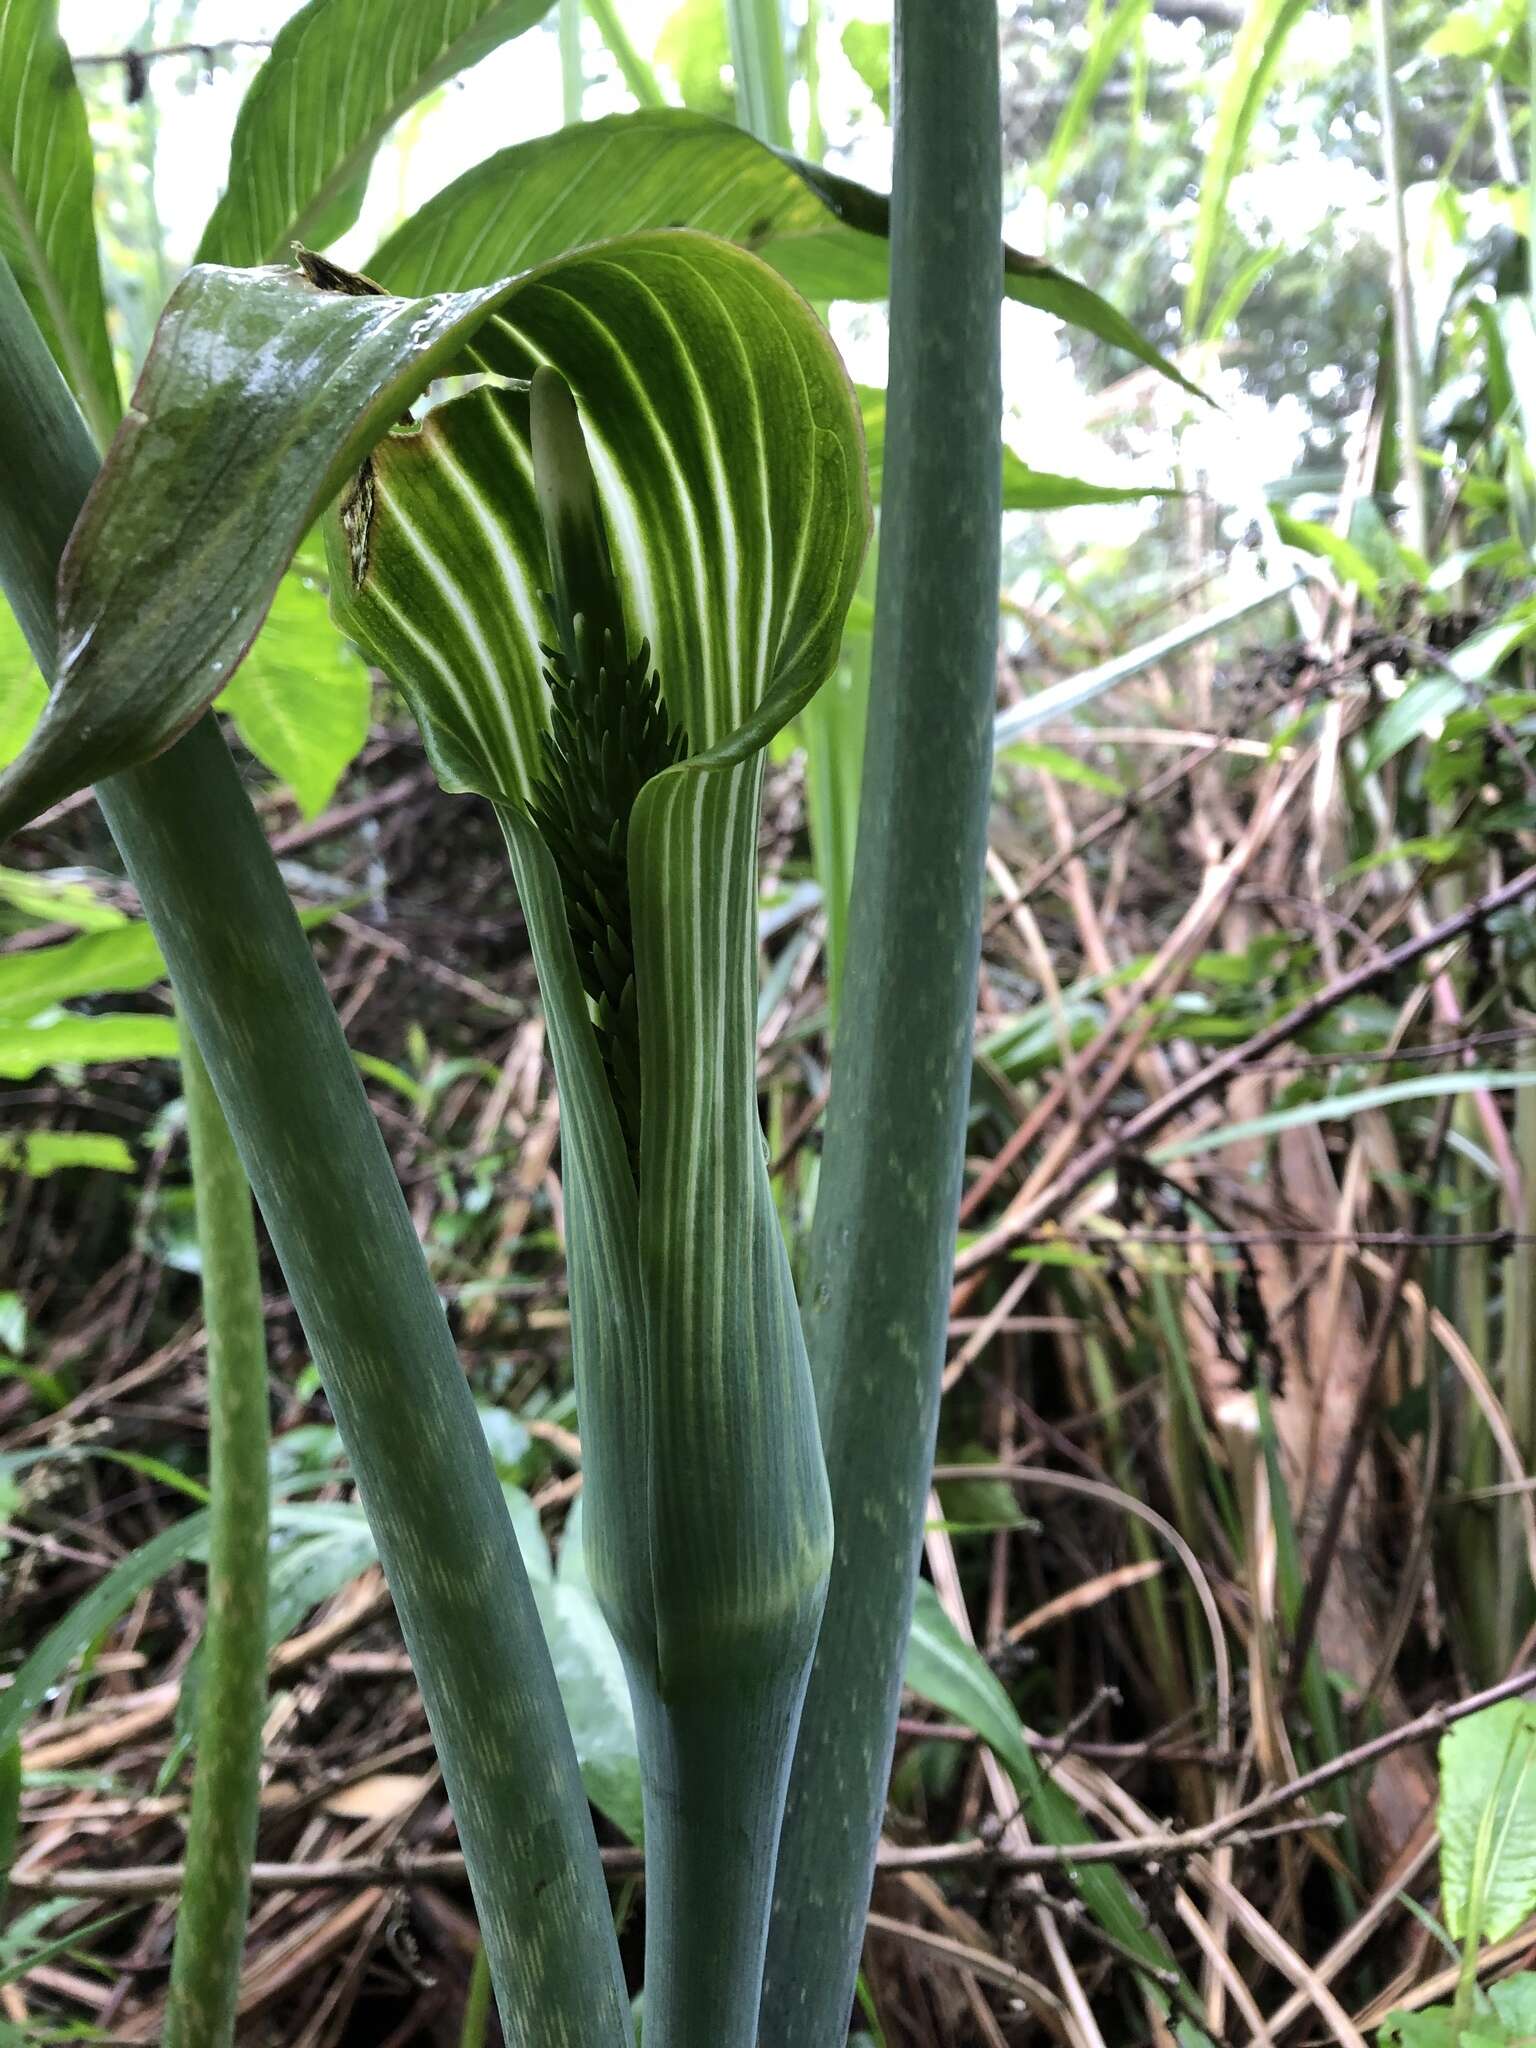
[338, 77]
[260, 395]
[1024, 489]
[47, 231]
[674, 168]
[944, 1668]
[1488, 1821]
[300, 700]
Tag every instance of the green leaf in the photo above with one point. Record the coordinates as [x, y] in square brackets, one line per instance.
[1334, 1108]
[1024, 489]
[25, 1049]
[944, 1668]
[867, 46]
[1255, 53]
[1435, 2027]
[672, 168]
[96, 1611]
[591, 1678]
[1104, 47]
[339, 76]
[1352, 564]
[1488, 1821]
[40, 1153]
[13, 1323]
[300, 700]
[10, 1811]
[1065, 767]
[695, 46]
[1478, 659]
[47, 230]
[1422, 707]
[1514, 2000]
[1474, 30]
[112, 962]
[23, 692]
[276, 388]
[48, 899]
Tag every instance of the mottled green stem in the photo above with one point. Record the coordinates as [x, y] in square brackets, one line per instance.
[884, 1234]
[248, 986]
[221, 1833]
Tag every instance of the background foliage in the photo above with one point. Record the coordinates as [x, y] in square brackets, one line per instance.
[1237, 1444]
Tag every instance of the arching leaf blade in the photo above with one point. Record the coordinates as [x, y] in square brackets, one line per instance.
[670, 167]
[47, 231]
[259, 397]
[1256, 51]
[338, 77]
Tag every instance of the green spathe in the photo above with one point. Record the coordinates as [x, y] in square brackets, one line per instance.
[725, 528]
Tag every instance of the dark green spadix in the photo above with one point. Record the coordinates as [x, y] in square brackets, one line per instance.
[608, 735]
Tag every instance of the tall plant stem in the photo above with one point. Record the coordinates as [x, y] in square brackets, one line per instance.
[1410, 402]
[248, 987]
[634, 70]
[572, 80]
[221, 1835]
[884, 1234]
[757, 58]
